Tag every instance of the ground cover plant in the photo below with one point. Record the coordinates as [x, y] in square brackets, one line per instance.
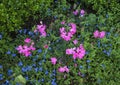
[65, 43]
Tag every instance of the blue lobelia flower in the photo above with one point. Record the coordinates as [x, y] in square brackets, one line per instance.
[46, 72]
[39, 50]
[8, 52]
[1, 76]
[13, 55]
[20, 63]
[81, 67]
[88, 61]
[0, 36]
[1, 66]
[9, 72]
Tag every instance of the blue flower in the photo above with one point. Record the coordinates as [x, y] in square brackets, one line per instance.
[8, 52]
[9, 72]
[24, 69]
[42, 80]
[7, 82]
[46, 72]
[20, 31]
[40, 69]
[34, 65]
[54, 71]
[0, 36]
[26, 77]
[30, 33]
[98, 44]
[20, 63]
[83, 75]
[1, 66]
[81, 67]
[1, 76]
[53, 83]
[25, 31]
[49, 48]
[88, 61]
[13, 55]
[107, 15]
[40, 63]
[89, 67]
[108, 53]
[29, 68]
[86, 52]
[39, 50]
[36, 69]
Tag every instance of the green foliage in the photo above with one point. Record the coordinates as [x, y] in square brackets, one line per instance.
[14, 14]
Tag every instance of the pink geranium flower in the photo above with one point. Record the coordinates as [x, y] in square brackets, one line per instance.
[82, 12]
[102, 34]
[61, 70]
[75, 41]
[53, 60]
[45, 46]
[63, 22]
[96, 34]
[66, 69]
[75, 12]
[69, 51]
[27, 40]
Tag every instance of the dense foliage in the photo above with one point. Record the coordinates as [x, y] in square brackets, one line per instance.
[59, 42]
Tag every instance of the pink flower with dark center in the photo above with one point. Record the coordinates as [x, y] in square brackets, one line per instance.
[102, 34]
[53, 60]
[96, 34]
[61, 70]
[63, 22]
[69, 51]
[66, 69]
[75, 41]
[82, 12]
[27, 40]
[45, 46]
[75, 12]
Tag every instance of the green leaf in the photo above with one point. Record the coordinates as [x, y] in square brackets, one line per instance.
[20, 79]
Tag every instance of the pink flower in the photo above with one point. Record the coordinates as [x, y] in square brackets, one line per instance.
[41, 29]
[102, 34]
[73, 28]
[69, 51]
[75, 12]
[82, 12]
[75, 55]
[27, 53]
[45, 46]
[75, 42]
[32, 48]
[66, 69]
[63, 22]
[27, 40]
[96, 34]
[53, 60]
[75, 65]
[61, 69]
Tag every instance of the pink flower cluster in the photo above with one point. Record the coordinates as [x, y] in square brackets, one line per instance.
[78, 52]
[53, 60]
[98, 34]
[41, 29]
[27, 48]
[68, 35]
[82, 12]
[75, 12]
[63, 69]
